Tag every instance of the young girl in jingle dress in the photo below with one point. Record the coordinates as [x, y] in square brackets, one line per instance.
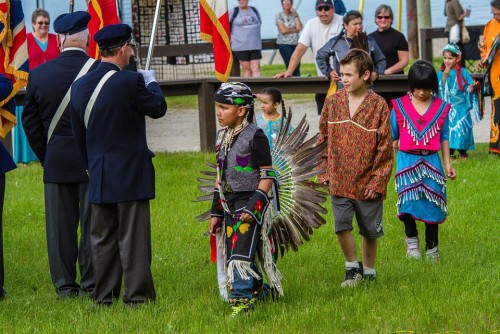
[456, 86]
[421, 128]
[270, 120]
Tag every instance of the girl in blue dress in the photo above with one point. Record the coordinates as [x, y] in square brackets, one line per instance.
[420, 128]
[456, 86]
[270, 120]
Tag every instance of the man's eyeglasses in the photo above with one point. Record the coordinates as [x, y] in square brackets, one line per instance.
[40, 23]
[383, 17]
[323, 8]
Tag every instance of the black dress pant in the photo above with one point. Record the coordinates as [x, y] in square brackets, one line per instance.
[66, 208]
[121, 247]
[2, 193]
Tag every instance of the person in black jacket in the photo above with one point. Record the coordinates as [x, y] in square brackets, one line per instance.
[47, 124]
[108, 109]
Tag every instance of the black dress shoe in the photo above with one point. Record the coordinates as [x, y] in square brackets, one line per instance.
[67, 293]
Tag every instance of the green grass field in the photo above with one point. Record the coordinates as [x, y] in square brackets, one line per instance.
[458, 295]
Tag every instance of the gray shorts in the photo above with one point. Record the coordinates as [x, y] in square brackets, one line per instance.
[368, 216]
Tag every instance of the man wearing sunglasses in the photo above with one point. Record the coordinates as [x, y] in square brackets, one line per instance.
[108, 109]
[316, 33]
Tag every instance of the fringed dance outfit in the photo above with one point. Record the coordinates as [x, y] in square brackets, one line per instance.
[246, 245]
[420, 178]
[464, 112]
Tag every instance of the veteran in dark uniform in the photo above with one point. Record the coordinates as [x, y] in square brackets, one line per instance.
[6, 165]
[47, 123]
[108, 109]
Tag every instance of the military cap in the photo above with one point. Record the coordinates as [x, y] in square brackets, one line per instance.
[71, 23]
[113, 36]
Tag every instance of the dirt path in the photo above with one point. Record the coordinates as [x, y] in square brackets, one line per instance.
[179, 129]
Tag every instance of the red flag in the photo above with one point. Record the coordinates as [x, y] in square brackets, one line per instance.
[214, 28]
[103, 13]
[14, 56]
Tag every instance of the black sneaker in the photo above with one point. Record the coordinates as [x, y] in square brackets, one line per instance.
[353, 276]
[369, 277]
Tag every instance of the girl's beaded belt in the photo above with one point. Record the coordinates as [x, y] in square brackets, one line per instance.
[421, 152]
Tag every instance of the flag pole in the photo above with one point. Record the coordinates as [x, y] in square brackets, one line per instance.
[71, 6]
[153, 34]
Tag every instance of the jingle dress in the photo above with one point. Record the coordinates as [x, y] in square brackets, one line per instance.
[420, 178]
[464, 111]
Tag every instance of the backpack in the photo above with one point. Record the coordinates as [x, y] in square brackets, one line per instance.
[237, 10]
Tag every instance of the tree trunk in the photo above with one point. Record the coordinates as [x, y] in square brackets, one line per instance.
[424, 15]
[411, 10]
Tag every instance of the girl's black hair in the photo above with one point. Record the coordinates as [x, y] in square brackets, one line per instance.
[422, 75]
[275, 95]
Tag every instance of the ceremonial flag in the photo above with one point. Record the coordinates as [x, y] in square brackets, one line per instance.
[13, 56]
[103, 13]
[214, 28]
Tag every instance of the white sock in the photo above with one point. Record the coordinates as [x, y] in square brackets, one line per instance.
[351, 264]
[432, 250]
[369, 271]
[412, 243]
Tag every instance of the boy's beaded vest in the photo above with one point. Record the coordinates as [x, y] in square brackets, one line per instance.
[237, 170]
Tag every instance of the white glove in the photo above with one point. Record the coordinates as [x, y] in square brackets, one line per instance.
[149, 76]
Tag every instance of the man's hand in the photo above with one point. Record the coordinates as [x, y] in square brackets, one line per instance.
[283, 75]
[149, 76]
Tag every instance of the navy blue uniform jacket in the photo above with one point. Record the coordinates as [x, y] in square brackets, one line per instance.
[47, 85]
[114, 143]
[6, 162]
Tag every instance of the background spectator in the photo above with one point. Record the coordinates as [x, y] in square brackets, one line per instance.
[491, 59]
[351, 37]
[246, 41]
[393, 45]
[316, 33]
[455, 14]
[391, 42]
[339, 7]
[289, 26]
[42, 47]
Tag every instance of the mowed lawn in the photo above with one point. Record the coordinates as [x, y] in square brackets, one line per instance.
[460, 294]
